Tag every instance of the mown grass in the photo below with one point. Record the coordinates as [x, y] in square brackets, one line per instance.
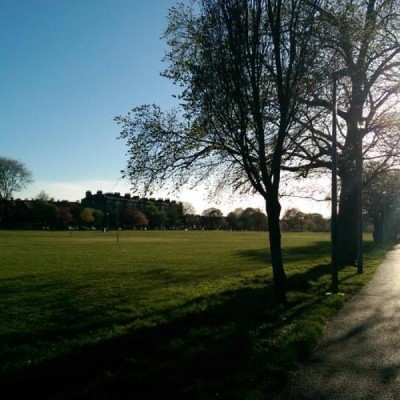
[160, 314]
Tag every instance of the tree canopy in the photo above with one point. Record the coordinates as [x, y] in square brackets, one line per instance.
[256, 99]
[382, 202]
[241, 66]
[14, 176]
[360, 39]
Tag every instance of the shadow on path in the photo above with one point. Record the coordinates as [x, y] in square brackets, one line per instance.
[359, 356]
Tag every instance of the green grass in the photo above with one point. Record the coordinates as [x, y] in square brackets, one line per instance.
[161, 314]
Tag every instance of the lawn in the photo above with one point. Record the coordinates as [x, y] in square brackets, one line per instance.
[150, 314]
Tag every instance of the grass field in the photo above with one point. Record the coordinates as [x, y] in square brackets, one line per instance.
[160, 314]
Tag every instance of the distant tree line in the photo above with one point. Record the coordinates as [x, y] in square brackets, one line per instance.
[381, 210]
[294, 220]
[39, 213]
[381, 215]
[212, 218]
[46, 213]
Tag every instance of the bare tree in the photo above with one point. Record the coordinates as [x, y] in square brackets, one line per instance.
[381, 202]
[14, 176]
[361, 39]
[241, 65]
[43, 196]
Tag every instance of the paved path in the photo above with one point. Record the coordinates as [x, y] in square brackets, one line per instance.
[359, 356]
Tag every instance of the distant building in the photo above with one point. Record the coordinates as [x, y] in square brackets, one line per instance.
[114, 205]
[36, 214]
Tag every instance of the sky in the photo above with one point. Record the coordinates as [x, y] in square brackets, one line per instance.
[67, 68]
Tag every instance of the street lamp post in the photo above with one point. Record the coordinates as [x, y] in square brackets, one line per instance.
[334, 218]
[359, 173]
[383, 238]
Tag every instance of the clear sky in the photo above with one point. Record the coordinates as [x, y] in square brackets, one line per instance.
[67, 68]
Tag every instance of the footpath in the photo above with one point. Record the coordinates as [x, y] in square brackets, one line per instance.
[359, 355]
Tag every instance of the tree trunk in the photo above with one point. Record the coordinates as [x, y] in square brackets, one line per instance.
[347, 221]
[389, 229]
[279, 275]
[349, 202]
[378, 231]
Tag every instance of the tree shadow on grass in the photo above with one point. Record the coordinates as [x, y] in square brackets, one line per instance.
[209, 347]
[297, 280]
[303, 280]
[216, 346]
[290, 254]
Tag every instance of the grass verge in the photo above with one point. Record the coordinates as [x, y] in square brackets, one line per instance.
[161, 314]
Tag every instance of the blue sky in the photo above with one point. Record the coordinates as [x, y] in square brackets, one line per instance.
[67, 68]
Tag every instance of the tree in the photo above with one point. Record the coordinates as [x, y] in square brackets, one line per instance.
[98, 216]
[293, 220]
[241, 65]
[43, 196]
[359, 38]
[316, 223]
[76, 211]
[381, 203]
[14, 176]
[45, 213]
[253, 219]
[174, 215]
[213, 218]
[233, 219]
[190, 219]
[260, 220]
[296, 220]
[156, 217]
[188, 209]
[139, 219]
[65, 215]
[87, 216]
[134, 218]
[15, 214]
